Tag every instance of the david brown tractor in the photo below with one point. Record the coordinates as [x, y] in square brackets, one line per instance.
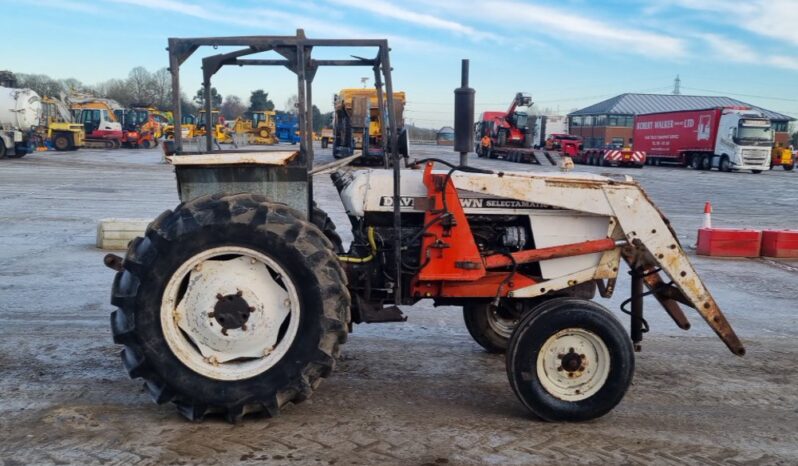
[237, 301]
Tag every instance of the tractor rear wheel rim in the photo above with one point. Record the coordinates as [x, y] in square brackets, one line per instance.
[573, 364]
[230, 313]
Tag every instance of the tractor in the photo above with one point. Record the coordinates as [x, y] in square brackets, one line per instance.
[238, 300]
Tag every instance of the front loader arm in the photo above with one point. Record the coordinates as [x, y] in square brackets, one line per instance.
[651, 246]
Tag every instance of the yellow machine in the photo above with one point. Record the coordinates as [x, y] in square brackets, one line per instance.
[260, 130]
[358, 121]
[58, 128]
[220, 132]
[782, 156]
[163, 120]
[188, 127]
[326, 137]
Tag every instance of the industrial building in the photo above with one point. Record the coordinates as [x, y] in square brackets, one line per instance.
[611, 121]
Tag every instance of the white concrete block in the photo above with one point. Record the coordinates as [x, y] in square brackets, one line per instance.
[116, 233]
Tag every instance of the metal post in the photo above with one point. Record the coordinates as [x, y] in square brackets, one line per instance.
[208, 107]
[309, 134]
[302, 118]
[177, 114]
[636, 324]
[385, 62]
[381, 110]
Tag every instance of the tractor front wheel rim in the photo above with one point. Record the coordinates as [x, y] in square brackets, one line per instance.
[573, 364]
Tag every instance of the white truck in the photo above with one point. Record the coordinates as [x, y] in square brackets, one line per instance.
[20, 110]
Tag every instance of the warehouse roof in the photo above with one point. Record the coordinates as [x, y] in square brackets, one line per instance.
[639, 104]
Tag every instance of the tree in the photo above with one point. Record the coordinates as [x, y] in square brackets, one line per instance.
[216, 99]
[291, 105]
[259, 101]
[162, 88]
[41, 84]
[321, 120]
[140, 84]
[232, 107]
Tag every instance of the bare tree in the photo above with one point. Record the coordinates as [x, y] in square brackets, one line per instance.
[232, 107]
[162, 88]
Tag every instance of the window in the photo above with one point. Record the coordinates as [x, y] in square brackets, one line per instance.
[601, 120]
[780, 126]
[576, 121]
[587, 121]
[617, 143]
[625, 121]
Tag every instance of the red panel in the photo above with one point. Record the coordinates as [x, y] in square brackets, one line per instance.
[449, 251]
[726, 242]
[668, 134]
[491, 285]
[780, 243]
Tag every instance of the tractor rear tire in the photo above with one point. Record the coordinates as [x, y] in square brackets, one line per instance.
[324, 223]
[205, 237]
[570, 360]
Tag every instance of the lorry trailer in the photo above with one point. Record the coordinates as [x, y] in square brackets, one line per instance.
[726, 138]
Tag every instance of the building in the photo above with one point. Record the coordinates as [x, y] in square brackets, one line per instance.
[445, 136]
[611, 121]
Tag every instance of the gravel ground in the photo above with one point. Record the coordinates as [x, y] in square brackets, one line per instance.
[419, 392]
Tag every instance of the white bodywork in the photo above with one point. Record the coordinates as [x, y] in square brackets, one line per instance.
[742, 157]
[20, 109]
[372, 191]
[563, 209]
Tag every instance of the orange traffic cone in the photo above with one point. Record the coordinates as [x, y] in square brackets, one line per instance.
[707, 215]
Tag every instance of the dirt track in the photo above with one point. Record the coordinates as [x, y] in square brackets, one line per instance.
[418, 392]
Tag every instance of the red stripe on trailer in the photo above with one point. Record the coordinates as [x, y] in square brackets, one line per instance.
[780, 243]
[728, 242]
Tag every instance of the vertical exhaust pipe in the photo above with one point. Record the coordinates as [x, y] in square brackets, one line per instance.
[464, 116]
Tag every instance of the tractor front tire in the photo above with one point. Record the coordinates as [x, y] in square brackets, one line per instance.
[231, 305]
[570, 360]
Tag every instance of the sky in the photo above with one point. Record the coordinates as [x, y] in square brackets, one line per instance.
[566, 54]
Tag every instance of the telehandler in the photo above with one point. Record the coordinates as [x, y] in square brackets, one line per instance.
[237, 301]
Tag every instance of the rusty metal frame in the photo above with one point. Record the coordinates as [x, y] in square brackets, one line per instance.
[297, 57]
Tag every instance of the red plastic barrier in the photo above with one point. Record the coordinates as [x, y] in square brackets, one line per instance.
[780, 243]
[727, 242]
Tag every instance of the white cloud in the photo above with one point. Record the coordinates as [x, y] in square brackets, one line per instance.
[738, 52]
[593, 33]
[387, 9]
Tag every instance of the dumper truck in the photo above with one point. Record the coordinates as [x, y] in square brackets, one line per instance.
[20, 110]
[358, 121]
[726, 138]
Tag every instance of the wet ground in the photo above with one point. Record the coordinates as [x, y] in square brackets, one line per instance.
[420, 392]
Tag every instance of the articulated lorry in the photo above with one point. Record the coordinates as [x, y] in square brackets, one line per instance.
[20, 110]
[730, 138]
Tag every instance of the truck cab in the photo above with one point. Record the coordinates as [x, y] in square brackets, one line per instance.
[744, 140]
